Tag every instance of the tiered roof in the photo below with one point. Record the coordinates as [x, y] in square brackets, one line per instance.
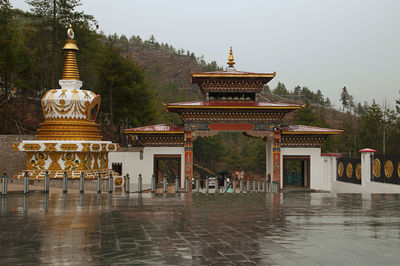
[301, 129]
[232, 103]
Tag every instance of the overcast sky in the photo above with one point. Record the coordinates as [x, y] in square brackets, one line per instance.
[322, 44]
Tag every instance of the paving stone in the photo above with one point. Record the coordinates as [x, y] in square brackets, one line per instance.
[254, 229]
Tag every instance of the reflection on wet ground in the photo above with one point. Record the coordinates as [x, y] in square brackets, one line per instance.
[206, 229]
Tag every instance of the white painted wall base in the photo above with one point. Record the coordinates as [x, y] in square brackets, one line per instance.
[371, 187]
[133, 165]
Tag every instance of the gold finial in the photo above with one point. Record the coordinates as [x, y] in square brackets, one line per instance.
[70, 65]
[231, 60]
[70, 32]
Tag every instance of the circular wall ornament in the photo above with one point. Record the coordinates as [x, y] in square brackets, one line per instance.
[118, 181]
[340, 169]
[398, 169]
[349, 170]
[388, 169]
[376, 167]
[358, 171]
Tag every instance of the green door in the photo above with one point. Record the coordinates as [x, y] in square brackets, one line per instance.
[294, 172]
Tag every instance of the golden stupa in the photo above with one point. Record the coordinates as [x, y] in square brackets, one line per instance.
[69, 139]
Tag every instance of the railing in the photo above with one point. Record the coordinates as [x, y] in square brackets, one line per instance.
[349, 170]
[385, 169]
[124, 183]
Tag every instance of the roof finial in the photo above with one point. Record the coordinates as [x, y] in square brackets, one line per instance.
[70, 32]
[231, 60]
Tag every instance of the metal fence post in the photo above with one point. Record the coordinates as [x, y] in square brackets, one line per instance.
[197, 185]
[110, 183]
[26, 183]
[99, 183]
[164, 184]
[65, 182]
[234, 186]
[4, 186]
[258, 186]
[176, 184]
[241, 185]
[46, 182]
[248, 186]
[207, 184]
[140, 183]
[153, 184]
[128, 184]
[82, 183]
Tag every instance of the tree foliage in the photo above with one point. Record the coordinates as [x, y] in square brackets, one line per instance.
[126, 94]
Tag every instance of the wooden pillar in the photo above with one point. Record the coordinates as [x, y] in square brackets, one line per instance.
[188, 144]
[276, 158]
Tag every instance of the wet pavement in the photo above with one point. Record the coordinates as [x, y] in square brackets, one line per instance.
[205, 229]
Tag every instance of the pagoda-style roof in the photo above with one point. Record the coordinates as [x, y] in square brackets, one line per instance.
[232, 105]
[155, 129]
[239, 82]
[157, 135]
[263, 115]
[306, 136]
[301, 129]
[231, 84]
[205, 76]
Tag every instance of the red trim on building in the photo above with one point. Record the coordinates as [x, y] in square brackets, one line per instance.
[226, 126]
[367, 150]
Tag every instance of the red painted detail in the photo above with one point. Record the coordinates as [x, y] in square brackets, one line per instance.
[188, 136]
[367, 150]
[225, 126]
[277, 136]
[276, 163]
[188, 160]
[332, 154]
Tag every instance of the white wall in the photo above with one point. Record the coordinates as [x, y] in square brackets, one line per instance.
[317, 177]
[133, 165]
[268, 157]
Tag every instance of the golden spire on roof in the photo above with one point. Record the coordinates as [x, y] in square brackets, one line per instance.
[231, 60]
[70, 65]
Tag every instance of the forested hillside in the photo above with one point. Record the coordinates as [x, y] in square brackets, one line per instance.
[139, 75]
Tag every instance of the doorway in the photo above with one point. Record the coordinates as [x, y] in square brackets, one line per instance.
[296, 171]
[168, 165]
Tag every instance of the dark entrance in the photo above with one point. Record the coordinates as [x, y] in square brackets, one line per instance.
[170, 165]
[117, 167]
[296, 171]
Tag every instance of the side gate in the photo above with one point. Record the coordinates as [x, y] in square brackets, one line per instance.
[349, 170]
[385, 169]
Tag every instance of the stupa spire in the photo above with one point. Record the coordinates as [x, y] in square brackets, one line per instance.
[70, 66]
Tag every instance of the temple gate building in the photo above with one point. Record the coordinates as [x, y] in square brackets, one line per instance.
[69, 139]
[231, 104]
